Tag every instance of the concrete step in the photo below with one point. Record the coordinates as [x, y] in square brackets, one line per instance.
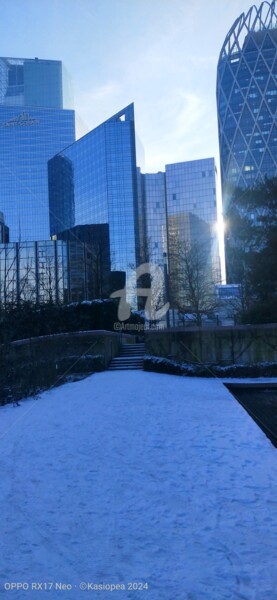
[133, 368]
[132, 347]
[119, 361]
[126, 361]
[131, 354]
[126, 357]
[130, 357]
[130, 351]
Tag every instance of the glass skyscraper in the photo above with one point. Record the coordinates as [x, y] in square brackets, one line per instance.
[152, 227]
[192, 219]
[34, 272]
[33, 127]
[247, 99]
[94, 181]
[178, 209]
[155, 217]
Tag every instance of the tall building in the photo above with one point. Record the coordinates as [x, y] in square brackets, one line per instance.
[73, 268]
[89, 261]
[247, 99]
[33, 272]
[4, 230]
[152, 230]
[193, 207]
[94, 181]
[179, 209]
[34, 125]
[154, 191]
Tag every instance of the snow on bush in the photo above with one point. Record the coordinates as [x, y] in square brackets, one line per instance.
[165, 365]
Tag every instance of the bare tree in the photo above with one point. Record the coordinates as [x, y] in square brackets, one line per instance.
[17, 282]
[193, 279]
[49, 277]
[100, 268]
[8, 276]
[152, 278]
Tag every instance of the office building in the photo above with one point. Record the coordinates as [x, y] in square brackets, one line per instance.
[247, 99]
[94, 181]
[4, 230]
[179, 209]
[74, 268]
[34, 125]
[33, 272]
[152, 230]
[193, 206]
[89, 261]
[154, 193]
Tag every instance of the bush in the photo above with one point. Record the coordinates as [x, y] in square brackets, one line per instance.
[26, 320]
[164, 365]
[28, 379]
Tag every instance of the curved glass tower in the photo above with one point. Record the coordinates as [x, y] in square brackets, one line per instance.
[247, 99]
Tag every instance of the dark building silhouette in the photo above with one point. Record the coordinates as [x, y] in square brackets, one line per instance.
[89, 261]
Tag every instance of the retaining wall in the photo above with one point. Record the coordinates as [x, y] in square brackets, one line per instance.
[242, 344]
[27, 366]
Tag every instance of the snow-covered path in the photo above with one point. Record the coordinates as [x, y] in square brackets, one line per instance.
[138, 477]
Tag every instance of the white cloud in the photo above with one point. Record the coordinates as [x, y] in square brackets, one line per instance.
[96, 104]
[182, 127]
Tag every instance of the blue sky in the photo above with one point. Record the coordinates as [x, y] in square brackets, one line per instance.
[160, 54]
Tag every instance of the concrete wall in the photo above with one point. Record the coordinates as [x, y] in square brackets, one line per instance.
[27, 366]
[244, 344]
[60, 345]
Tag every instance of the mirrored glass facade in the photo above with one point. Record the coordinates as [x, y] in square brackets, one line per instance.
[152, 228]
[33, 127]
[33, 272]
[32, 82]
[247, 99]
[155, 217]
[89, 261]
[4, 230]
[96, 181]
[103, 181]
[192, 217]
[54, 271]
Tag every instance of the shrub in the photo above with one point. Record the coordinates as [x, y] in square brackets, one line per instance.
[27, 379]
[164, 365]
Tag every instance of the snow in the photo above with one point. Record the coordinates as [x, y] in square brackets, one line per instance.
[138, 477]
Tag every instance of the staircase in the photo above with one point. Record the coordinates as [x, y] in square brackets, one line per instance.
[130, 357]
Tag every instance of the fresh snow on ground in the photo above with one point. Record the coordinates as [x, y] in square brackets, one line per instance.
[138, 477]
